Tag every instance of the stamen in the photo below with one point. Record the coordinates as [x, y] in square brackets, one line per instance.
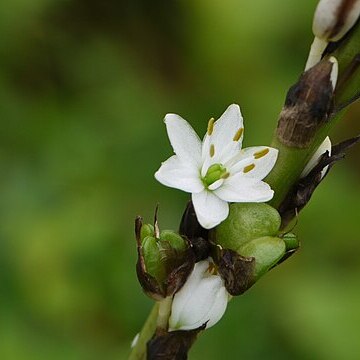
[212, 269]
[238, 134]
[212, 150]
[210, 127]
[248, 168]
[225, 176]
[261, 153]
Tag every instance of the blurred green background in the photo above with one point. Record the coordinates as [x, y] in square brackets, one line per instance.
[84, 86]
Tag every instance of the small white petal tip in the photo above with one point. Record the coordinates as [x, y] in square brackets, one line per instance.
[135, 340]
[322, 149]
[334, 71]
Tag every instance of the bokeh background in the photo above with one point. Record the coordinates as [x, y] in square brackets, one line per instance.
[84, 86]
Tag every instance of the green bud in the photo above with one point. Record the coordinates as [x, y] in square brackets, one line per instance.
[266, 250]
[165, 260]
[153, 258]
[161, 254]
[291, 241]
[246, 221]
[146, 230]
[175, 241]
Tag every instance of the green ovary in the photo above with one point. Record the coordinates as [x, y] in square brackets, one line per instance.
[214, 173]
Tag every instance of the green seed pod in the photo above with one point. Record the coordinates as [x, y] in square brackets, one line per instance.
[246, 221]
[146, 230]
[165, 260]
[291, 241]
[154, 258]
[160, 255]
[176, 242]
[266, 250]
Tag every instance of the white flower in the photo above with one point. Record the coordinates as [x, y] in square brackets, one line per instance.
[325, 146]
[202, 299]
[216, 171]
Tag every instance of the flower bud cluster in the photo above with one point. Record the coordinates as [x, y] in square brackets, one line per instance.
[165, 260]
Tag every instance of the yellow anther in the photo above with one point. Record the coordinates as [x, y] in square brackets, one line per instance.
[226, 175]
[248, 168]
[261, 153]
[212, 150]
[212, 269]
[210, 127]
[238, 134]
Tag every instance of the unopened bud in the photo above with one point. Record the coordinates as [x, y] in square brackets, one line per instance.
[334, 18]
[201, 301]
[246, 221]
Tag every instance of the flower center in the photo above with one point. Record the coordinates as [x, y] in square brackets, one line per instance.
[215, 172]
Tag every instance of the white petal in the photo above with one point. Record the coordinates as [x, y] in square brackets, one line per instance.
[183, 139]
[219, 307]
[223, 138]
[184, 295]
[334, 71]
[176, 174]
[325, 146]
[238, 188]
[216, 184]
[135, 340]
[334, 18]
[202, 299]
[262, 157]
[210, 210]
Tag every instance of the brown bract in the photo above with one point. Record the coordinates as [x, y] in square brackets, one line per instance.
[172, 345]
[307, 106]
[197, 235]
[301, 193]
[237, 271]
[341, 15]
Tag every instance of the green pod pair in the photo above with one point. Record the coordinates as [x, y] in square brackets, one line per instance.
[247, 221]
[160, 253]
[252, 230]
[165, 260]
[267, 251]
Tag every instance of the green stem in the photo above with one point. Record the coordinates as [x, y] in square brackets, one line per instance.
[292, 161]
[138, 352]
[164, 313]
